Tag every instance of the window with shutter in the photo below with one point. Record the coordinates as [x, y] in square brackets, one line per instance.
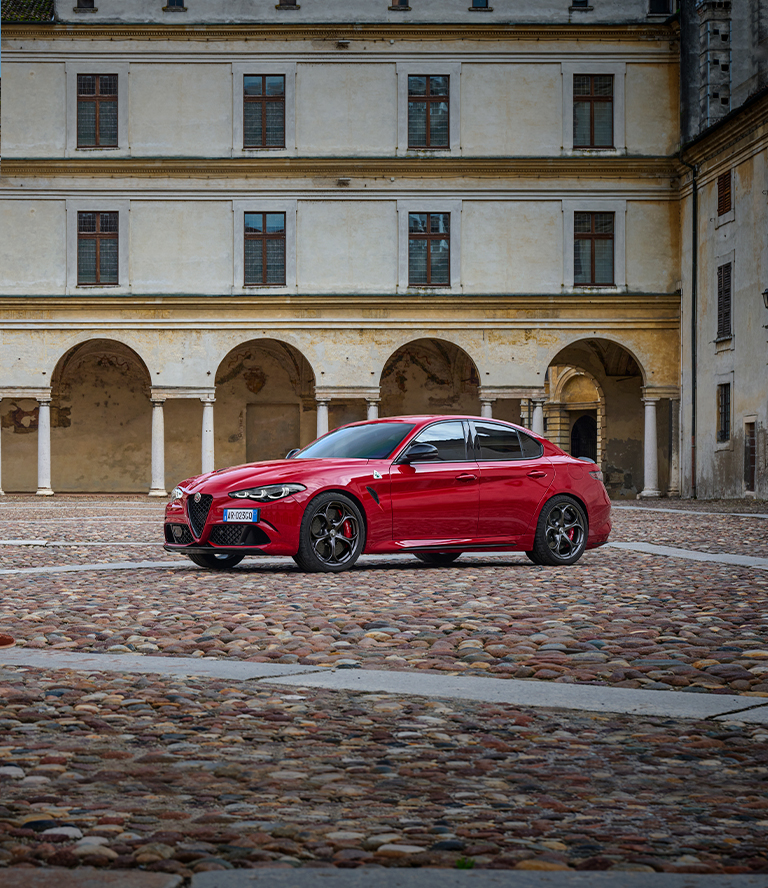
[724, 194]
[724, 412]
[724, 301]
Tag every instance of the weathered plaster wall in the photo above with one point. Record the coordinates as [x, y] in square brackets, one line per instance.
[653, 246]
[18, 426]
[25, 269]
[652, 97]
[33, 92]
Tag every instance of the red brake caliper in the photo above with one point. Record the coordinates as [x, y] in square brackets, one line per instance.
[346, 529]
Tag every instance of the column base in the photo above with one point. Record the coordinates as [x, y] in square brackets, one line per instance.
[673, 494]
[2, 493]
[649, 494]
[45, 491]
[157, 492]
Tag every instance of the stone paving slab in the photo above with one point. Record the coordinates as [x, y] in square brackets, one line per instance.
[527, 693]
[369, 877]
[634, 508]
[87, 877]
[691, 555]
[110, 565]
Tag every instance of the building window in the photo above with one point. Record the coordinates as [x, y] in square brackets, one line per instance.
[175, 6]
[593, 249]
[399, 4]
[97, 110]
[287, 3]
[264, 261]
[479, 4]
[724, 194]
[97, 248]
[750, 456]
[85, 4]
[429, 249]
[724, 412]
[264, 111]
[724, 301]
[593, 111]
[659, 7]
[428, 123]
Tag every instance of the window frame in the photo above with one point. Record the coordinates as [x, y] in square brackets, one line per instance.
[425, 205]
[619, 210]
[265, 100]
[724, 301]
[730, 214]
[724, 413]
[284, 69]
[254, 205]
[592, 99]
[429, 236]
[618, 70]
[75, 206]
[468, 447]
[593, 236]
[88, 66]
[452, 70]
[97, 100]
[428, 100]
[98, 236]
[264, 237]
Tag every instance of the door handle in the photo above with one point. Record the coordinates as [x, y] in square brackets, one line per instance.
[537, 473]
[466, 477]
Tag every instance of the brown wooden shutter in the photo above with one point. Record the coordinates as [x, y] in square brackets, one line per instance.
[724, 194]
[724, 300]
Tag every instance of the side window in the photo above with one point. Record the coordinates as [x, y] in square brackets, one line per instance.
[496, 442]
[449, 438]
[532, 449]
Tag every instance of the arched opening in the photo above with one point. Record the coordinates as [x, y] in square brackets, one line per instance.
[265, 402]
[101, 420]
[595, 392]
[429, 376]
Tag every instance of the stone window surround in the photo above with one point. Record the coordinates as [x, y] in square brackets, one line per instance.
[428, 205]
[723, 379]
[97, 66]
[426, 68]
[267, 205]
[619, 209]
[98, 205]
[619, 71]
[262, 66]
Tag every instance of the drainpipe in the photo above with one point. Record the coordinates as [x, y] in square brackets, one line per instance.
[694, 308]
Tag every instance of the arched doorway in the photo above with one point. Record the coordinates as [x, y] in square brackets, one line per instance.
[429, 376]
[265, 402]
[596, 394]
[584, 437]
[101, 420]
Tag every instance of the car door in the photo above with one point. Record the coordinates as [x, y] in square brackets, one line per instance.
[514, 479]
[436, 500]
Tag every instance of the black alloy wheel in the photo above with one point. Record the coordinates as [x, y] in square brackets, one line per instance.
[332, 534]
[437, 558]
[216, 561]
[561, 533]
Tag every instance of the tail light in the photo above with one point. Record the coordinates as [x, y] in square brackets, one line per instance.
[597, 474]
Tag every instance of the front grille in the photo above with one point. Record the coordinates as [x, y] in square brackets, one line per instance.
[238, 535]
[178, 534]
[198, 512]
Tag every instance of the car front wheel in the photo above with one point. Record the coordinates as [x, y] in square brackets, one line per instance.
[332, 534]
[217, 561]
[561, 533]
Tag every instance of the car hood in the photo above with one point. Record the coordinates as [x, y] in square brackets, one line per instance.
[271, 472]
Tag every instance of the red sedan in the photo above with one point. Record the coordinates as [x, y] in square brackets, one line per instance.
[433, 486]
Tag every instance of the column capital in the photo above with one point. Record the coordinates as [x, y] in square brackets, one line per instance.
[648, 399]
[660, 391]
[208, 399]
[35, 394]
[157, 400]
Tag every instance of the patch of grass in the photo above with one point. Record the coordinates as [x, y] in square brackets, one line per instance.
[465, 863]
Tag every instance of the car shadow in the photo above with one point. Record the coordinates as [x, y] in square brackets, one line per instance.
[378, 566]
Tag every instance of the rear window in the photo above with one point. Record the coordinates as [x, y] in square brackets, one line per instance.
[531, 447]
[375, 441]
[496, 442]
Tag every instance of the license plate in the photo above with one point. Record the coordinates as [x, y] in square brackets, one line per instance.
[241, 515]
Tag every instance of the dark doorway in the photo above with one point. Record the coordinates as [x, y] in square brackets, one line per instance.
[584, 437]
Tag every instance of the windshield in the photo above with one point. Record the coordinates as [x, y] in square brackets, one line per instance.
[375, 441]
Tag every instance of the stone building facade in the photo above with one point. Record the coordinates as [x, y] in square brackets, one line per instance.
[228, 226]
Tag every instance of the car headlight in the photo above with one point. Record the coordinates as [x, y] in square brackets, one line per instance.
[268, 494]
[176, 494]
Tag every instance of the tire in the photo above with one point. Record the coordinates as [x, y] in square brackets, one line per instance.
[561, 533]
[216, 561]
[332, 534]
[437, 558]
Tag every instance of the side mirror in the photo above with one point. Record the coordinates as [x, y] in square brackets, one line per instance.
[292, 453]
[420, 453]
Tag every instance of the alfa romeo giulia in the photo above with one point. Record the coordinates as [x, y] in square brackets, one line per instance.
[432, 486]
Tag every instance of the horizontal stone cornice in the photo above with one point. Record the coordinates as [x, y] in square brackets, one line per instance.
[344, 168]
[303, 32]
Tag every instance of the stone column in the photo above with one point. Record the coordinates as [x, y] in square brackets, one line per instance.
[650, 451]
[373, 408]
[322, 417]
[537, 424]
[208, 462]
[44, 448]
[674, 456]
[158, 449]
[486, 409]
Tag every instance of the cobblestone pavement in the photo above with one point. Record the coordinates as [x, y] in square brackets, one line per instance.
[196, 774]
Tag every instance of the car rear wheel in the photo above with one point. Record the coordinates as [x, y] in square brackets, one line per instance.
[216, 561]
[561, 533]
[332, 534]
[437, 558]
